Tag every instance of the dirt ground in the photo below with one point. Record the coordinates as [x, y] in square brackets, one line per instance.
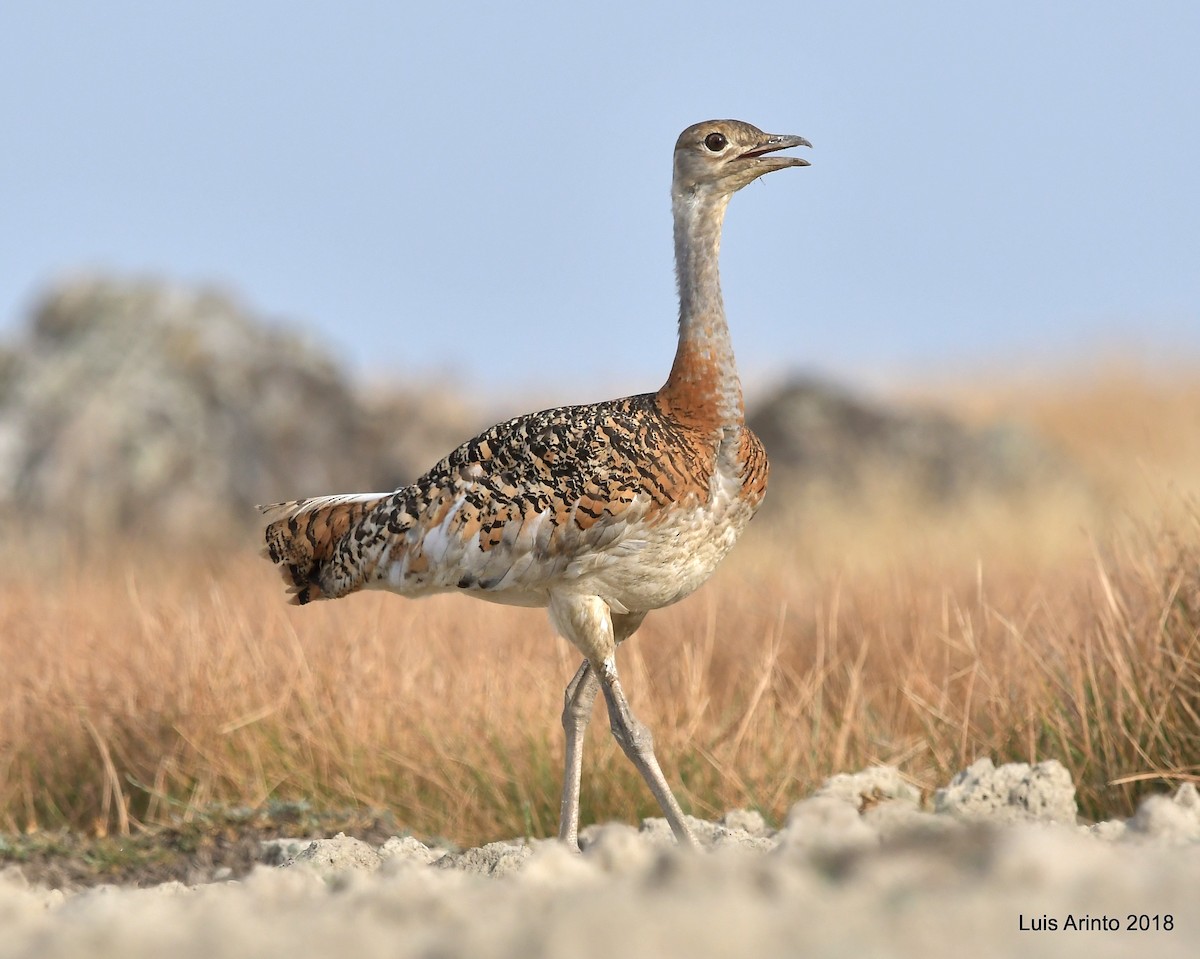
[994, 864]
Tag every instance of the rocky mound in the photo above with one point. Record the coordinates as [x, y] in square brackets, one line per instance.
[139, 407]
[825, 437]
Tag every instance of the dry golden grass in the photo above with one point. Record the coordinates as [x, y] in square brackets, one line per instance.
[146, 685]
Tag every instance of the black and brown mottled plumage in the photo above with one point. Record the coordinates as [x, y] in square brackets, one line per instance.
[601, 512]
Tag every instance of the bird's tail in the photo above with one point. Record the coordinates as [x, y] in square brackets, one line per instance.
[305, 537]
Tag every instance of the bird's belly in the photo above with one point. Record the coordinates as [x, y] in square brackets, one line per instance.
[671, 559]
[652, 566]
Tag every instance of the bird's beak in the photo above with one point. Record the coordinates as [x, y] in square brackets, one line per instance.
[773, 143]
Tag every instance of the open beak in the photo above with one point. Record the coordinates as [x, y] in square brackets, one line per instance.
[774, 143]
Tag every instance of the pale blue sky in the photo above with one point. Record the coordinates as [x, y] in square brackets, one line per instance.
[481, 190]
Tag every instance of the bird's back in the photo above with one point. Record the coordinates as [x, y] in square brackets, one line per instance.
[618, 499]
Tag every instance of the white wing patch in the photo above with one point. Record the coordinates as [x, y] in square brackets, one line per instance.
[441, 539]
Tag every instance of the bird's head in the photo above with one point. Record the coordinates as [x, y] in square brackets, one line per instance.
[722, 156]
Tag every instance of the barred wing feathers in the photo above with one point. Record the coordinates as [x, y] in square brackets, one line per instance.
[523, 505]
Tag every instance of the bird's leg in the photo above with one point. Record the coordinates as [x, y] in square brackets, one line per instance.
[637, 743]
[578, 700]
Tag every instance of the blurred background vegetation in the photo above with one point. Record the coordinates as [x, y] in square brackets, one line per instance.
[1006, 567]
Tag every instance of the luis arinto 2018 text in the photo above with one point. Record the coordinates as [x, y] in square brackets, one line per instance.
[1086, 922]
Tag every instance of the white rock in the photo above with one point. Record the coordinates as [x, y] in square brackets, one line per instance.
[333, 857]
[1014, 792]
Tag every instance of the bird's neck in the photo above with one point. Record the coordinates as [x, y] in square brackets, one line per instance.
[703, 390]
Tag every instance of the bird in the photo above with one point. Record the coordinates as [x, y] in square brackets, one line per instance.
[599, 513]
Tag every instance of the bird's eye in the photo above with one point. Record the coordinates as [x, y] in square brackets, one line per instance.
[716, 142]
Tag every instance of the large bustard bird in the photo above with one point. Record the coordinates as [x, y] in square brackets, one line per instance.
[600, 513]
